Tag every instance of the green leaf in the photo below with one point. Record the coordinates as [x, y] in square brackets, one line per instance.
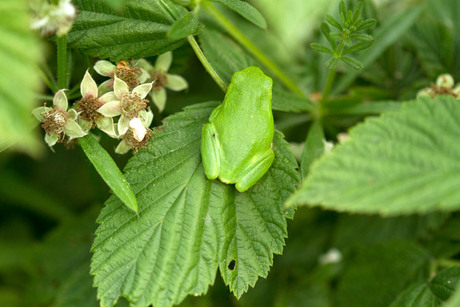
[327, 33]
[417, 295]
[314, 147]
[108, 170]
[445, 282]
[377, 273]
[386, 35]
[331, 20]
[401, 162]
[367, 24]
[137, 29]
[357, 47]
[188, 226]
[227, 57]
[20, 53]
[184, 26]
[246, 10]
[321, 48]
[355, 64]
[454, 301]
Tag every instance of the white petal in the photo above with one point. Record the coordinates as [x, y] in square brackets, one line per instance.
[123, 125]
[51, 139]
[88, 86]
[120, 87]
[164, 61]
[176, 83]
[85, 125]
[110, 109]
[139, 130]
[72, 114]
[60, 101]
[159, 98]
[104, 68]
[107, 97]
[143, 89]
[122, 148]
[73, 130]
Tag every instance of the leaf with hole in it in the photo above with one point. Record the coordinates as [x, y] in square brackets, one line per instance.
[20, 52]
[402, 162]
[136, 29]
[246, 10]
[188, 226]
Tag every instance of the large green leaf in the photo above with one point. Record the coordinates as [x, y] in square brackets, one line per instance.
[19, 81]
[227, 57]
[137, 29]
[188, 226]
[403, 162]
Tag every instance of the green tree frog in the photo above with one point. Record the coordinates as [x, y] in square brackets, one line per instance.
[236, 144]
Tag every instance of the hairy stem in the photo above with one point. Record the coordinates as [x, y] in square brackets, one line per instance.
[61, 61]
[243, 40]
[206, 64]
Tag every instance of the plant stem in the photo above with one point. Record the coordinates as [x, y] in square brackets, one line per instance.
[61, 61]
[328, 85]
[447, 262]
[243, 40]
[206, 64]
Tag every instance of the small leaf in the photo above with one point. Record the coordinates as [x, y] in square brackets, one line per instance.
[188, 226]
[343, 12]
[108, 170]
[321, 48]
[184, 26]
[327, 33]
[357, 47]
[331, 20]
[417, 295]
[398, 163]
[246, 10]
[331, 63]
[362, 37]
[136, 29]
[357, 13]
[445, 282]
[355, 64]
[314, 147]
[367, 24]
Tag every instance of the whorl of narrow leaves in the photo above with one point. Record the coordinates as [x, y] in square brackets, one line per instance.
[348, 39]
[136, 29]
[188, 226]
[402, 162]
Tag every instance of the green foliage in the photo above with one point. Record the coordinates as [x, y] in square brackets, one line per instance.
[348, 39]
[314, 147]
[109, 171]
[397, 163]
[245, 10]
[20, 53]
[188, 226]
[137, 29]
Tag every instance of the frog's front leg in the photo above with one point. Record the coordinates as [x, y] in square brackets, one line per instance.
[210, 151]
[258, 167]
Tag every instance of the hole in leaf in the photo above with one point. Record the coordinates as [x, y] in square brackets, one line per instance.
[231, 265]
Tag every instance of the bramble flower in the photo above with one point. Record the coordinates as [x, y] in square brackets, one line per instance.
[128, 104]
[130, 73]
[57, 121]
[89, 105]
[161, 78]
[444, 86]
[53, 18]
[137, 135]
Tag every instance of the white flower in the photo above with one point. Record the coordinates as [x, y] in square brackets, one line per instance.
[162, 80]
[332, 256]
[57, 121]
[127, 104]
[137, 135]
[89, 105]
[53, 18]
[129, 73]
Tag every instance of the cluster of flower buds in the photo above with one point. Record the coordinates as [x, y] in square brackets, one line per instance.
[444, 86]
[122, 97]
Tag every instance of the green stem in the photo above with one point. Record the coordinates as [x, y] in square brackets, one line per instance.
[243, 40]
[206, 64]
[448, 262]
[61, 61]
[328, 85]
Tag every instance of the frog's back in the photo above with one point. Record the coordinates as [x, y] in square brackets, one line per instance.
[246, 120]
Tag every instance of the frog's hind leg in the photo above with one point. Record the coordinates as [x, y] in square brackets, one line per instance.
[210, 151]
[255, 170]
